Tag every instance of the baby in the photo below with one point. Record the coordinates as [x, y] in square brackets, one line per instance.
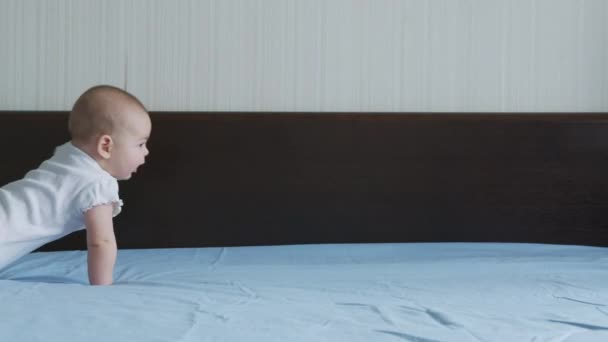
[77, 187]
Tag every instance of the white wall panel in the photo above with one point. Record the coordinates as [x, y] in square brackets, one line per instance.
[309, 55]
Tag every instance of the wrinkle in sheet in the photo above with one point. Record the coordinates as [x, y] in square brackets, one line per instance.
[406, 337]
[579, 301]
[373, 309]
[218, 259]
[580, 325]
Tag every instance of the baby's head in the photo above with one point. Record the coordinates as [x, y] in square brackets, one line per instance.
[112, 126]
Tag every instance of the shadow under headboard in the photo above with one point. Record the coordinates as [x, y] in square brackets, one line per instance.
[228, 179]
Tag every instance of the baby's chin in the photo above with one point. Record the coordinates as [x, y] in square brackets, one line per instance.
[126, 177]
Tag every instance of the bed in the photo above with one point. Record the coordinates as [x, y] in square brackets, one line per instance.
[333, 227]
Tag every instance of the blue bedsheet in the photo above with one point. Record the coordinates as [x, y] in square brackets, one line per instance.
[351, 292]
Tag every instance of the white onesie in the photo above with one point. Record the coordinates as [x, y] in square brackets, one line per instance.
[50, 201]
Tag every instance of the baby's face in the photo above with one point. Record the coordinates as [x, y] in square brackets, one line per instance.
[130, 150]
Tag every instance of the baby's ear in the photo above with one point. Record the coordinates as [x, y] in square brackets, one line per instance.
[104, 146]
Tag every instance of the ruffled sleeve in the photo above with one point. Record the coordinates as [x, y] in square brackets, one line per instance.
[100, 192]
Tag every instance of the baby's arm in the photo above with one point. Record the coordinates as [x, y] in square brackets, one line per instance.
[101, 244]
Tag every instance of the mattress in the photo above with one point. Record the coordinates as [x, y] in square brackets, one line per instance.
[341, 292]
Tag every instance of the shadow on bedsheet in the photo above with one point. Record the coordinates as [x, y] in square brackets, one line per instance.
[49, 279]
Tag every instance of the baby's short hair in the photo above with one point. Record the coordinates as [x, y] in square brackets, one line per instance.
[99, 110]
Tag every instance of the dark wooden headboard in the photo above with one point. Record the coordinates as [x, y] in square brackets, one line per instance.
[226, 179]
